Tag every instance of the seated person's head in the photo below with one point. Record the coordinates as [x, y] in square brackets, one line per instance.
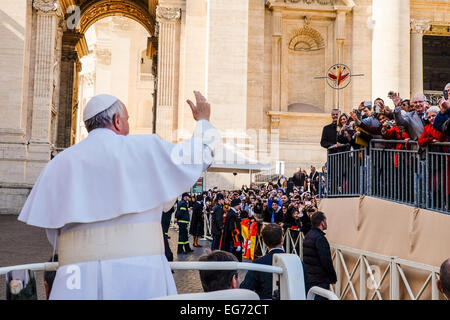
[444, 278]
[272, 235]
[214, 280]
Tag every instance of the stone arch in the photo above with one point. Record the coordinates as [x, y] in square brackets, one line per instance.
[92, 11]
[306, 39]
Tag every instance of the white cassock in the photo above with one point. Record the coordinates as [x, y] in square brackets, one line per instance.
[101, 202]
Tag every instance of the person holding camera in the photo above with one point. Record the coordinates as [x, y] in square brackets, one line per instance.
[413, 121]
[442, 122]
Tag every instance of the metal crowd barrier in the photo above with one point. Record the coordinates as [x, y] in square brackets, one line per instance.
[348, 172]
[414, 176]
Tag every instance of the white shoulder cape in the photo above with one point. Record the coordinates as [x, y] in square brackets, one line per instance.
[108, 175]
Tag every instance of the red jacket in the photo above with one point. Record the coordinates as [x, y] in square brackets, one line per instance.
[429, 134]
[395, 133]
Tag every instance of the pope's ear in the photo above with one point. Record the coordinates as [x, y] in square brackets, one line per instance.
[116, 120]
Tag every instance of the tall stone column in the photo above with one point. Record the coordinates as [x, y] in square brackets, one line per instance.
[47, 17]
[68, 99]
[46, 31]
[390, 48]
[168, 20]
[277, 33]
[418, 27]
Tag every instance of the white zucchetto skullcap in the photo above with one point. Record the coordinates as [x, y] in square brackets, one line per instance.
[98, 104]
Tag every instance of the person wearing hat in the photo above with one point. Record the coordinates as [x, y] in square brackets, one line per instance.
[217, 222]
[182, 218]
[101, 201]
[232, 240]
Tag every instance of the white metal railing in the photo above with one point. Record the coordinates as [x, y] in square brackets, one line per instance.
[372, 278]
[287, 269]
[321, 292]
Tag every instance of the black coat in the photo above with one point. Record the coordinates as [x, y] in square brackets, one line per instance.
[232, 222]
[278, 217]
[329, 136]
[196, 228]
[317, 259]
[306, 222]
[261, 282]
[217, 221]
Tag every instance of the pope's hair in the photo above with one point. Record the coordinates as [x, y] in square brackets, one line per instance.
[104, 119]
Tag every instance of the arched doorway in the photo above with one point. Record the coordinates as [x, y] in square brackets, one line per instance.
[76, 84]
[118, 63]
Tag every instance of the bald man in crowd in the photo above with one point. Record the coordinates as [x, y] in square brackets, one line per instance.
[443, 283]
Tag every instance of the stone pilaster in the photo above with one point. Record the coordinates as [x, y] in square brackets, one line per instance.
[168, 20]
[390, 48]
[418, 27]
[46, 33]
[277, 33]
[68, 99]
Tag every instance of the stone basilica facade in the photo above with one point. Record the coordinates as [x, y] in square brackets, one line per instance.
[256, 60]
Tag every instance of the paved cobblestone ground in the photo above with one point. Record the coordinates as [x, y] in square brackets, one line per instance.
[22, 244]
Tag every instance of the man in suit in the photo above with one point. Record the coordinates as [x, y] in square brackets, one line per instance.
[217, 222]
[314, 176]
[329, 132]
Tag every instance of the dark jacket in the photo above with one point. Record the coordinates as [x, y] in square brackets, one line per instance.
[440, 119]
[217, 220]
[329, 136]
[317, 259]
[231, 236]
[306, 222]
[278, 216]
[196, 228]
[182, 214]
[261, 282]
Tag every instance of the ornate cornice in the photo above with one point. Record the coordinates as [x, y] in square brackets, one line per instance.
[167, 14]
[45, 5]
[419, 26]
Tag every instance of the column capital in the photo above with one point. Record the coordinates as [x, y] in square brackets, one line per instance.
[165, 14]
[419, 26]
[45, 6]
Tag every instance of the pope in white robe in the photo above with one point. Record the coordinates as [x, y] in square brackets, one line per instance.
[101, 201]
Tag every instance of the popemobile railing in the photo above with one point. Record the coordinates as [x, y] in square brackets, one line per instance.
[364, 275]
[395, 170]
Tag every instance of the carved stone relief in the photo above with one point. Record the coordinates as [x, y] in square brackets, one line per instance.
[322, 2]
[306, 39]
[45, 5]
[167, 14]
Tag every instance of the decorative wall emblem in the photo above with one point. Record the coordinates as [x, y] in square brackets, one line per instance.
[45, 5]
[306, 39]
[168, 14]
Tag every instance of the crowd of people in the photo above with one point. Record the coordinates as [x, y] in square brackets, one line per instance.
[413, 126]
[288, 202]
[411, 119]
[274, 206]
